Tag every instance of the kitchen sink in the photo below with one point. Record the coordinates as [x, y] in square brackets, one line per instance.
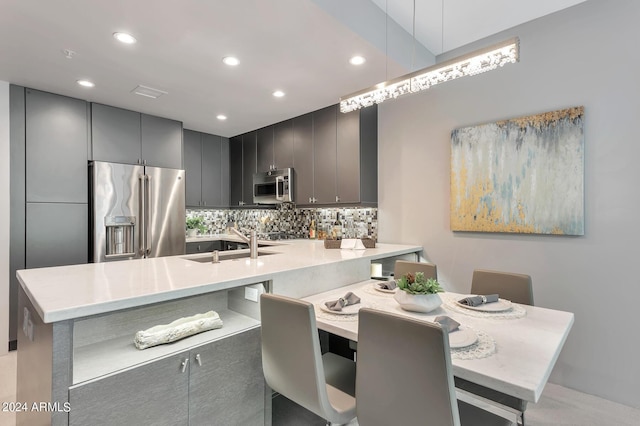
[227, 255]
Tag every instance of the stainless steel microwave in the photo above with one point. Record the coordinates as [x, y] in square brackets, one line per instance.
[273, 187]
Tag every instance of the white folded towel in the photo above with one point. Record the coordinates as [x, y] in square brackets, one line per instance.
[352, 244]
[176, 330]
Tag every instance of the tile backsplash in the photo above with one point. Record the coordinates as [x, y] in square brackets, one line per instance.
[287, 221]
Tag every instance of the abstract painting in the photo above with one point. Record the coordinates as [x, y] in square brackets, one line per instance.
[523, 175]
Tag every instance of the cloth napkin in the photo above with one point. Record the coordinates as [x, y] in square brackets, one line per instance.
[348, 299]
[352, 244]
[448, 324]
[388, 285]
[479, 300]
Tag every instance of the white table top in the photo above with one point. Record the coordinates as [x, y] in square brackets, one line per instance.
[526, 348]
[75, 291]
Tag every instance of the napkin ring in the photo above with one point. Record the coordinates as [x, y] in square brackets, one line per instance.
[342, 301]
[484, 299]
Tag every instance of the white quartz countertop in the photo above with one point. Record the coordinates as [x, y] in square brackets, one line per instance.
[75, 291]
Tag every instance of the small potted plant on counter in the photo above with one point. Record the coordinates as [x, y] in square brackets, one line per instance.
[417, 293]
[195, 224]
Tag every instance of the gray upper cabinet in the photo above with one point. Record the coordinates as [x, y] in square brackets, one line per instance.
[56, 150]
[161, 142]
[235, 172]
[206, 161]
[324, 155]
[115, 134]
[348, 149]
[283, 145]
[129, 137]
[264, 149]
[303, 159]
[249, 166]
[193, 167]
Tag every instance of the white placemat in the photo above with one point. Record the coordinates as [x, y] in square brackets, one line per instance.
[484, 347]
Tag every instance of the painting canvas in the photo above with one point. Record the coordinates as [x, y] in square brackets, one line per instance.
[523, 175]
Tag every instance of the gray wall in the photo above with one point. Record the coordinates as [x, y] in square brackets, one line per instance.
[585, 55]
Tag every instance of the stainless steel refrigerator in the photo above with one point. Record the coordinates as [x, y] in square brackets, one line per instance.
[136, 211]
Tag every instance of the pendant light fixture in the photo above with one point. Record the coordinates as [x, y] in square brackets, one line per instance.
[477, 62]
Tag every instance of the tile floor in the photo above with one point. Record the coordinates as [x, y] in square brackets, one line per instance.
[558, 406]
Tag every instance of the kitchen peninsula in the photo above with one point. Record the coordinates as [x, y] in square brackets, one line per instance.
[77, 325]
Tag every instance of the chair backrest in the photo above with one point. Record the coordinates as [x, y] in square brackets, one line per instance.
[404, 374]
[510, 286]
[403, 267]
[291, 357]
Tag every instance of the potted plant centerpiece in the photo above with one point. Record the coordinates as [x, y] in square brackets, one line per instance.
[417, 293]
[195, 224]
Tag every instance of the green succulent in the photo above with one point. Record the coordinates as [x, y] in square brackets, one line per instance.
[196, 223]
[418, 284]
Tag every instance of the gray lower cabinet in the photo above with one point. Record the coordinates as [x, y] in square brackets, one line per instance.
[56, 234]
[152, 394]
[226, 384]
[219, 383]
[204, 247]
[56, 148]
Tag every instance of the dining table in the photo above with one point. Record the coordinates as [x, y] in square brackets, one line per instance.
[508, 347]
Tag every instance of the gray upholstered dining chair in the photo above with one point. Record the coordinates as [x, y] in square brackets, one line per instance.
[516, 288]
[403, 267]
[404, 375]
[293, 365]
[510, 286]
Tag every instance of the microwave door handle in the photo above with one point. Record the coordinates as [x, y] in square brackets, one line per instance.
[279, 197]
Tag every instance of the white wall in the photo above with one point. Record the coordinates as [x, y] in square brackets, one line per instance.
[585, 55]
[4, 217]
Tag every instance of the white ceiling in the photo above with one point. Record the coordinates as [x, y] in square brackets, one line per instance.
[299, 46]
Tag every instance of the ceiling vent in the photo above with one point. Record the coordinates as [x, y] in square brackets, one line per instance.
[149, 92]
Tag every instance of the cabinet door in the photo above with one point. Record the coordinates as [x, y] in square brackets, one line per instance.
[211, 171]
[224, 172]
[161, 141]
[228, 387]
[283, 144]
[235, 171]
[203, 247]
[324, 155]
[265, 149]
[348, 157]
[303, 159]
[56, 234]
[152, 394]
[115, 134]
[56, 148]
[193, 167]
[369, 155]
[248, 166]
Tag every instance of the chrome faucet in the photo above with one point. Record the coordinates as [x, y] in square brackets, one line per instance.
[252, 241]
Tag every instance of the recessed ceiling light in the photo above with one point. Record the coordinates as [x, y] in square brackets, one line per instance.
[231, 60]
[278, 93]
[85, 83]
[221, 117]
[357, 60]
[124, 38]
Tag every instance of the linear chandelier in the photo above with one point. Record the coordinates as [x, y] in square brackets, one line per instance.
[474, 63]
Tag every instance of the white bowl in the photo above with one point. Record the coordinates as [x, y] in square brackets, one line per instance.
[417, 302]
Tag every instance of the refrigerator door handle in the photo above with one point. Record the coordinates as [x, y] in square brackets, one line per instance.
[141, 209]
[147, 214]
